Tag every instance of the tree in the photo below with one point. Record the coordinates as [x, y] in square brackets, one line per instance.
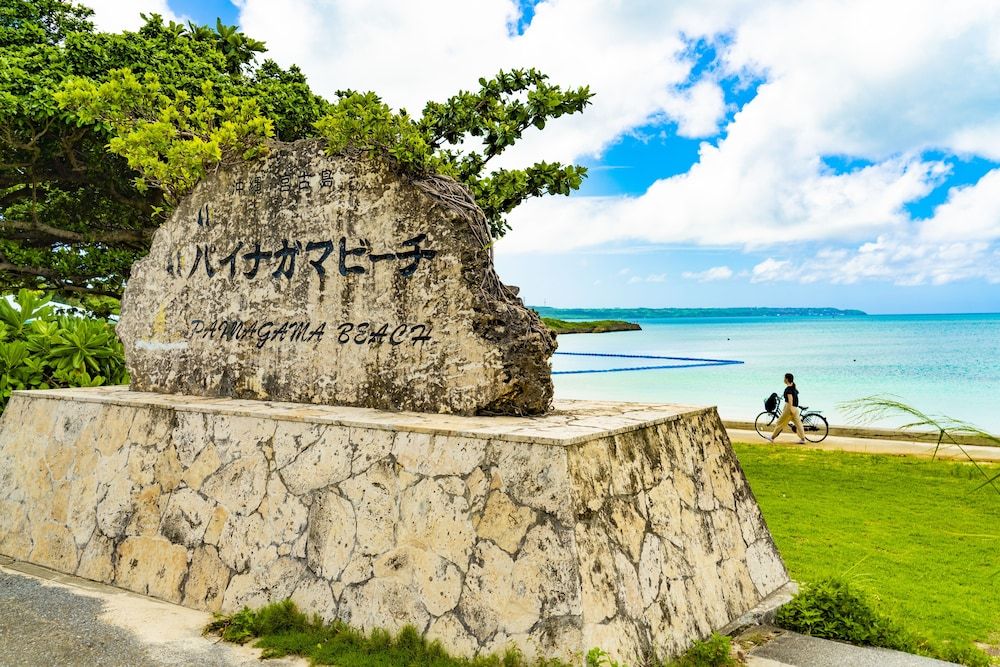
[173, 102]
[438, 142]
[72, 217]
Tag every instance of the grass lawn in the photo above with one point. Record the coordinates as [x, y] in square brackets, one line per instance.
[910, 531]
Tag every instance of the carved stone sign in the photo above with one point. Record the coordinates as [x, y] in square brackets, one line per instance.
[311, 278]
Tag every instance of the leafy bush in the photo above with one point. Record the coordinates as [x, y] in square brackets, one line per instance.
[599, 658]
[41, 349]
[716, 651]
[832, 609]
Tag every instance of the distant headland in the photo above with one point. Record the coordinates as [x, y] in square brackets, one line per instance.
[670, 313]
[596, 326]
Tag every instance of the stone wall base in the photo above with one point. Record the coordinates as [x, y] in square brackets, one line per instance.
[625, 526]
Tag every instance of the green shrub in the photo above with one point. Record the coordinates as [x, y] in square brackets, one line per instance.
[832, 609]
[599, 658]
[40, 349]
[716, 651]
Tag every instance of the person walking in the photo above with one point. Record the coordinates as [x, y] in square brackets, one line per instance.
[791, 411]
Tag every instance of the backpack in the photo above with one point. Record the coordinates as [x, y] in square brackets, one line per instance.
[771, 403]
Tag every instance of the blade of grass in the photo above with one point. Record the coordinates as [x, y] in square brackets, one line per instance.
[873, 408]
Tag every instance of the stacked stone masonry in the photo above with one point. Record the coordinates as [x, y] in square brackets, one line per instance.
[628, 527]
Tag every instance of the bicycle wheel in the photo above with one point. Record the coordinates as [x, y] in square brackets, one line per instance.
[815, 426]
[765, 423]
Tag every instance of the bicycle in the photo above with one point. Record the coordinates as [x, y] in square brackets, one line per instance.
[813, 423]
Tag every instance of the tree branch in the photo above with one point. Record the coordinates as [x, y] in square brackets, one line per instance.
[41, 231]
[59, 281]
[57, 171]
[15, 194]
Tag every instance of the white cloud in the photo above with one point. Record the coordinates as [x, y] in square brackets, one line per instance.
[768, 200]
[902, 260]
[697, 110]
[833, 88]
[970, 213]
[882, 81]
[954, 244]
[632, 55]
[118, 15]
[651, 278]
[709, 275]
[982, 139]
[771, 270]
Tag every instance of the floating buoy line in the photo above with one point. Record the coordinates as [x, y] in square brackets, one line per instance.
[691, 362]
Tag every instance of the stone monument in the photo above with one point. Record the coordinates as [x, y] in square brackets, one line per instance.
[332, 280]
[225, 476]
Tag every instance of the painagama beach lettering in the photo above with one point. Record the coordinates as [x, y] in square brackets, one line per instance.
[305, 331]
[250, 260]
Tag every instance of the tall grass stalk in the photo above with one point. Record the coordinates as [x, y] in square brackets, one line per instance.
[872, 408]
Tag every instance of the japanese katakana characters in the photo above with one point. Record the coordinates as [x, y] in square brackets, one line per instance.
[282, 261]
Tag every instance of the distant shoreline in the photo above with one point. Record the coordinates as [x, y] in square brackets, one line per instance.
[670, 313]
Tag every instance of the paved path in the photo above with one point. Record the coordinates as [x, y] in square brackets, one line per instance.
[873, 446]
[791, 649]
[48, 618]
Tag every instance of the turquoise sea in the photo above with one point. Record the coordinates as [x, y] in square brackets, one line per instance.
[944, 364]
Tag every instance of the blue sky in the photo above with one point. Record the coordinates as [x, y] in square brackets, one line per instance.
[772, 155]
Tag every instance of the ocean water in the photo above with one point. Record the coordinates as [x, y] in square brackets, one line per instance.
[941, 364]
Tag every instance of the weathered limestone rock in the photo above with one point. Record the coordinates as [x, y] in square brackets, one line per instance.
[437, 581]
[332, 280]
[208, 578]
[152, 565]
[627, 527]
[503, 522]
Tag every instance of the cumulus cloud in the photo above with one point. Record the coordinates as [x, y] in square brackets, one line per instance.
[840, 78]
[634, 56]
[771, 270]
[756, 200]
[118, 15]
[956, 243]
[831, 88]
[709, 275]
[697, 110]
[901, 260]
[970, 213]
